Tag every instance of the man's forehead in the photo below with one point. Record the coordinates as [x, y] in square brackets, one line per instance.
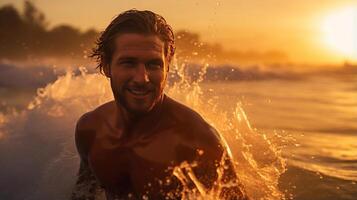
[134, 41]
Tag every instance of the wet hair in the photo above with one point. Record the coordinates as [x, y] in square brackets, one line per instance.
[133, 21]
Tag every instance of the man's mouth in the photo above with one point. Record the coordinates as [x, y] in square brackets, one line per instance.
[139, 92]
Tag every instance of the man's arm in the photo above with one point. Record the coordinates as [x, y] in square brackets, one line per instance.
[86, 184]
[218, 161]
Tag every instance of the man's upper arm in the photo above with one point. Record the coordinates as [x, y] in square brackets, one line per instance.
[220, 155]
[86, 184]
[84, 135]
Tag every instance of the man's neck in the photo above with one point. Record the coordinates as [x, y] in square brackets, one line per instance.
[128, 120]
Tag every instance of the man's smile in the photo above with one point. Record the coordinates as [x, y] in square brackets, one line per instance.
[138, 71]
[140, 92]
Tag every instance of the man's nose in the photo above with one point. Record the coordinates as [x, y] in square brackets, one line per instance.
[141, 74]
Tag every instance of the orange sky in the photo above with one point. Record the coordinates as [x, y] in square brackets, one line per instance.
[293, 27]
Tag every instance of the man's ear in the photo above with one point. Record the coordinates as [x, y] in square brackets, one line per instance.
[168, 65]
[106, 70]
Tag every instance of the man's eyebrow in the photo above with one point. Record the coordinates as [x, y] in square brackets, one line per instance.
[126, 58]
[156, 60]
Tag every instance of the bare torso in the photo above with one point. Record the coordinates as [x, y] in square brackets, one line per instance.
[138, 160]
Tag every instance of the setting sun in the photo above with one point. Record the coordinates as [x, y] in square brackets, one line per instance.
[340, 31]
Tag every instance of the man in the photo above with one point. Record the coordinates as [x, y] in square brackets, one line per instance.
[130, 146]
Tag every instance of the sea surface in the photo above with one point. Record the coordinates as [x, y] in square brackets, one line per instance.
[318, 117]
[309, 122]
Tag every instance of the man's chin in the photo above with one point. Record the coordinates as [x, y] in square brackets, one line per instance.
[138, 110]
[137, 106]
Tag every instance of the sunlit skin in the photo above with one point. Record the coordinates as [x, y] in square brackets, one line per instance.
[340, 29]
[129, 145]
[138, 72]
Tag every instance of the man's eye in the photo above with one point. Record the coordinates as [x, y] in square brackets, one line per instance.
[154, 66]
[127, 63]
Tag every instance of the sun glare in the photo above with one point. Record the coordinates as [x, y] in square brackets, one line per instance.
[340, 32]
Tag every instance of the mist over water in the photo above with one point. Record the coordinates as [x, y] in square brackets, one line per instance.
[39, 159]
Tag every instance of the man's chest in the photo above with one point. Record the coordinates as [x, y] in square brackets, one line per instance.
[139, 165]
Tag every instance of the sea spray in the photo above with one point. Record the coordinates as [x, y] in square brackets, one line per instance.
[38, 156]
[257, 160]
[39, 141]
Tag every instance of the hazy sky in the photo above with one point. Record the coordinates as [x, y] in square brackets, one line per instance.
[294, 27]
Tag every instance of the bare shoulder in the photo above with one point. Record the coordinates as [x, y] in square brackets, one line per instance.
[87, 126]
[183, 114]
[91, 120]
[194, 126]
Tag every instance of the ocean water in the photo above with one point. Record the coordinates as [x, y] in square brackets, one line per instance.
[291, 138]
[317, 119]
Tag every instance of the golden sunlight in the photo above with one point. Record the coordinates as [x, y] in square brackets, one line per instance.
[340, 32]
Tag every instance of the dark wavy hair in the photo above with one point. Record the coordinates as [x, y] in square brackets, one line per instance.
[133, 21]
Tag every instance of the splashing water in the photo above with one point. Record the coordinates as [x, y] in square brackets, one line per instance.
[37, 144]
[257, 160]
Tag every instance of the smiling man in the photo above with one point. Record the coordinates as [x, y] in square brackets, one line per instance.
[130, 146]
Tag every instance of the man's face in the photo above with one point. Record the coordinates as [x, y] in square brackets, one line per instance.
[138, 71]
